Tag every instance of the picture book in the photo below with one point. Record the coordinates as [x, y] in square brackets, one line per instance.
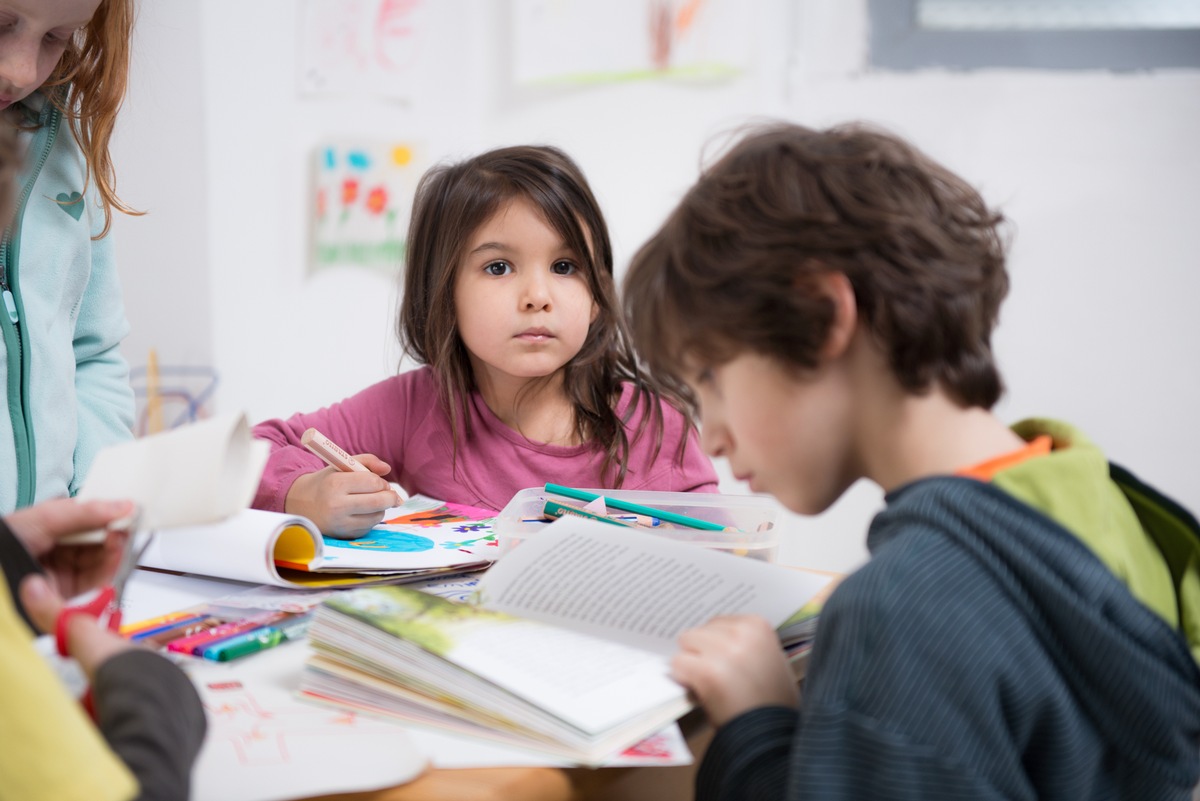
[419, 538]
[565, 649]
[260, 725]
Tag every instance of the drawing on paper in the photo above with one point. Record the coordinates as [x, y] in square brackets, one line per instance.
[703, 39]
[361, 47]
[259, 734]
[361, 200]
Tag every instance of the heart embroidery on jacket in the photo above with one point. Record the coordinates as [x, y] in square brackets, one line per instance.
[72, 204]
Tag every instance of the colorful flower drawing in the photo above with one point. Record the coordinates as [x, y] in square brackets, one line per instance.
[361, 198]
[349, 191]
[377, 200]
[488, 539]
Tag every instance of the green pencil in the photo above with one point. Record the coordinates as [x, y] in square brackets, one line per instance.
[637, 508]
[552, 509]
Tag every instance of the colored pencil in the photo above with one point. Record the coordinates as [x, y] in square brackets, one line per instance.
[553, 509]
[626, 506]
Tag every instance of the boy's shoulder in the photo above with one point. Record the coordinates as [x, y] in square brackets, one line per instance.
[963, 556]
[947, 543]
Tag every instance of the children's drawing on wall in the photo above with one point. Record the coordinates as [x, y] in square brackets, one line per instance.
[698, 39]
[362, 197]
[361, 47]
[169, 396]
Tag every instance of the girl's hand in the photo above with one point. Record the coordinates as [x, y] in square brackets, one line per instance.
[88, 642]
[343, 504]
[71, 569]
[733, 664]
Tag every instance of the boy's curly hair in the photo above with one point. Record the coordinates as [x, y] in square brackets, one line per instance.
[734, 266]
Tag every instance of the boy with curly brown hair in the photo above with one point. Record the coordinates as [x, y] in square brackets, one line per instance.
[1028, 624]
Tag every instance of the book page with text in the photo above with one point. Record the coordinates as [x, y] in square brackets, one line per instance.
[634, 587]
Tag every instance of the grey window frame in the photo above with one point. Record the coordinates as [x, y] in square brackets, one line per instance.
[898, 43]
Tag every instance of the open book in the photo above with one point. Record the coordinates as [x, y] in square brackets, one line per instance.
[566, 651]
[420, 538]
[193, 485]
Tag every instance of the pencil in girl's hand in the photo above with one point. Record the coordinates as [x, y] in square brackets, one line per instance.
[333, 455]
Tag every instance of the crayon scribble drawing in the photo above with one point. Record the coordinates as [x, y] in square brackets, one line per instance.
[263, 742]
[420, 533]
[401, 538]
[362, 47]
[700, 39]
[258, 735]
[361, 200]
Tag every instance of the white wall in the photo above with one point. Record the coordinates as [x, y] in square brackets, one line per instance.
[161, 154]
[1099, 172]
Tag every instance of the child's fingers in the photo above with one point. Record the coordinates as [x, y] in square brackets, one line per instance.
[373, 463]
[40, 526]
[358, 484]
[41, 602]
[353, 514]
[87, 641]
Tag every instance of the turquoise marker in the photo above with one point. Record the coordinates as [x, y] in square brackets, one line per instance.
[626, 506]
[258, 640]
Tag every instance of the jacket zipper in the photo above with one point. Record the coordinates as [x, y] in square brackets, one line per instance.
[18, 364]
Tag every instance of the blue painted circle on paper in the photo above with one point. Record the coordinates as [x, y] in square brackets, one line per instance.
[401, 541]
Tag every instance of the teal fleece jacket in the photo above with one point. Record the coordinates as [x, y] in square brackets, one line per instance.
[66, 383]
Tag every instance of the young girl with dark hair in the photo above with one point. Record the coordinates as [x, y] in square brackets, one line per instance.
[528, 377]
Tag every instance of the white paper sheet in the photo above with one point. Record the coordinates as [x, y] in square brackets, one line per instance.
[241, 548]
[196, 474]
[265, 745]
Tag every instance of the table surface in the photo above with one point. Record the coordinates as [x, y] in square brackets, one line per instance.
[153, 593]
[552, 784]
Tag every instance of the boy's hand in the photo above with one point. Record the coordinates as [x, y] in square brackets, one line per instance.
[733, 664]
[71, 569]
[343, 504]
[87, 641]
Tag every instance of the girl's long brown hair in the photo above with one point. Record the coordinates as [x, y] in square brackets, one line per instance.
[91, 78]
[451, 202]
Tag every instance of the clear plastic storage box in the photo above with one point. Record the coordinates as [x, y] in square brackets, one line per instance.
[750, 518]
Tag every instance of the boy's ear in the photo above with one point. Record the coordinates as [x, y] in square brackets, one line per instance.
[836, 286]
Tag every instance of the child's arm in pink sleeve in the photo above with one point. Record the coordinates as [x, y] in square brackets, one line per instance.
[358, 424]
[288, 461]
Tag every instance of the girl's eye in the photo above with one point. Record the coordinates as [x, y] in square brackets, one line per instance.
[498, 268]
[562, 268]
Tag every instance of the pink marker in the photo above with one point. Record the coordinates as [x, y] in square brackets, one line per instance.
[196, 643]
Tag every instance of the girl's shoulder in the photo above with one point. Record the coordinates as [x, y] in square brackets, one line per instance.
[411, 388]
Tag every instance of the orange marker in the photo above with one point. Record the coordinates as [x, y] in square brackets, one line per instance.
[334, 456]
